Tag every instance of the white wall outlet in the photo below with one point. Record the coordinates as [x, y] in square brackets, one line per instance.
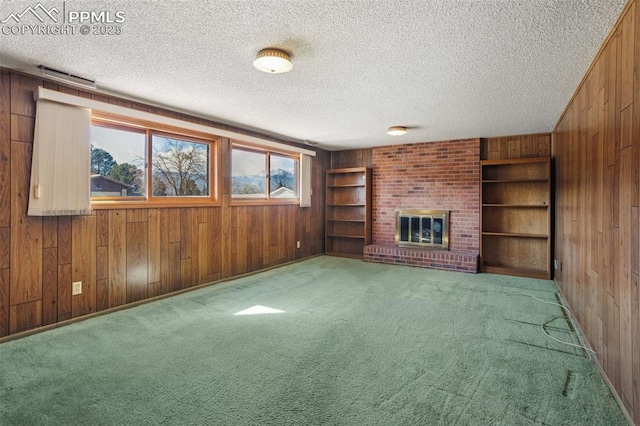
[298, 244]
[76, 288]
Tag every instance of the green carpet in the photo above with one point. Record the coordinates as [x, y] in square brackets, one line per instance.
[358, 344]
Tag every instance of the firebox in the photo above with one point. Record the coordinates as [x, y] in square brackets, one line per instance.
[422, 228]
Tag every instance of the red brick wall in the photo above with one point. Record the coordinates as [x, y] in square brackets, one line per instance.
[435, 175]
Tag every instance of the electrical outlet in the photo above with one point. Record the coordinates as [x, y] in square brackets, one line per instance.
[76, 288]
[298, 244]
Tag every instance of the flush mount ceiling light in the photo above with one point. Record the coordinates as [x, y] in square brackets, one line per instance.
[397, 130]
[273, 61]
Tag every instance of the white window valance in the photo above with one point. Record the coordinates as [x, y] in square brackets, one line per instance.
[61, 162]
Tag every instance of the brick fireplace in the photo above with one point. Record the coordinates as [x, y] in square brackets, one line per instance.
[434, 176]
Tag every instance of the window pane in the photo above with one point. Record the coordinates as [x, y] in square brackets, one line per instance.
[283, 177]
[248, 174]
[117, 162]
[180, 167]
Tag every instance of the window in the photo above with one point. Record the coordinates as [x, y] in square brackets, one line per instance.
[251, 181]
[138, 164]
[180, 166]
[117, 161]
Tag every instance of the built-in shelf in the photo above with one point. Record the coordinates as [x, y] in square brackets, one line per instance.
[515, 180]
[519, 272]
[516, 217]
[515, 235]
[348, 212]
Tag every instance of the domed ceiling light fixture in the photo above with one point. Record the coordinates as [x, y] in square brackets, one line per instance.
[273, 61]
[397, 130]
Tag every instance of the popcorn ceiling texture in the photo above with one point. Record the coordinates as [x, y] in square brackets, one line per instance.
[446, 69]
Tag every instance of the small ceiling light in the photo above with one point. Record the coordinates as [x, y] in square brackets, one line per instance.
[397, 130]
[273, 61]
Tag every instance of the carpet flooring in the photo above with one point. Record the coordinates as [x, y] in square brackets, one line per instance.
[357, 344]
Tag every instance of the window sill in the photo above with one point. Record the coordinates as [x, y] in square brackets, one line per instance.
[114, 205]
[263, 202]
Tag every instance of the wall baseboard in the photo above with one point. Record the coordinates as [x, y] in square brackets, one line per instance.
[143, 302]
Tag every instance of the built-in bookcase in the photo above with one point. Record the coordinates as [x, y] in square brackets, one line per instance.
[516, 217]
[348, 211]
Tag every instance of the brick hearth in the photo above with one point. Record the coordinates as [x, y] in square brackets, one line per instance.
[424, 258]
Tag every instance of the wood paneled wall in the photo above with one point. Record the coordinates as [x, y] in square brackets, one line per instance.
[520, 146]
[123, 256]
[352, 158]
[597, 149]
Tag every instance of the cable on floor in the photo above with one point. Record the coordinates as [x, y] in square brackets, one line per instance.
[548, 320]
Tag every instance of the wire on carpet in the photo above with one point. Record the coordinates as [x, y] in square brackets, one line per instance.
[548, 320]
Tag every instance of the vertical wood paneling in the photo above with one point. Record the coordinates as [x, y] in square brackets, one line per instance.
[64, 267]
[25, 316]
[26, 232]
[102, 294]
[351, 158]
[519, 146]
[175, 277]
[50, 232]
[204, 255]
[597, 155]
[49, 286]
[102, 230]
[22, 128]
[65, 307]
[5, 243]
[4, 302]
[165, 283]
[137, 259]
[117, 258]
[5, 151]
[102, 263]
[83, 259]
[22, 88]
[64, 240]
[125, 255]
[154, 244]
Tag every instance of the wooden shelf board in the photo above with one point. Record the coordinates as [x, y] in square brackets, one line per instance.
[515, 234]
[346, 220]
[347, 170]
[535, 206]
[357, 237]
[519, 272]
[348, 185]
[508, 161]
[341, 254]
[514, 180]
[345, 205]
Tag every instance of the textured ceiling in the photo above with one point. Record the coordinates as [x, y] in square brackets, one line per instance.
[445, 69]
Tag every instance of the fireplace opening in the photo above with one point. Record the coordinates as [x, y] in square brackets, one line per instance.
[422, 228]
